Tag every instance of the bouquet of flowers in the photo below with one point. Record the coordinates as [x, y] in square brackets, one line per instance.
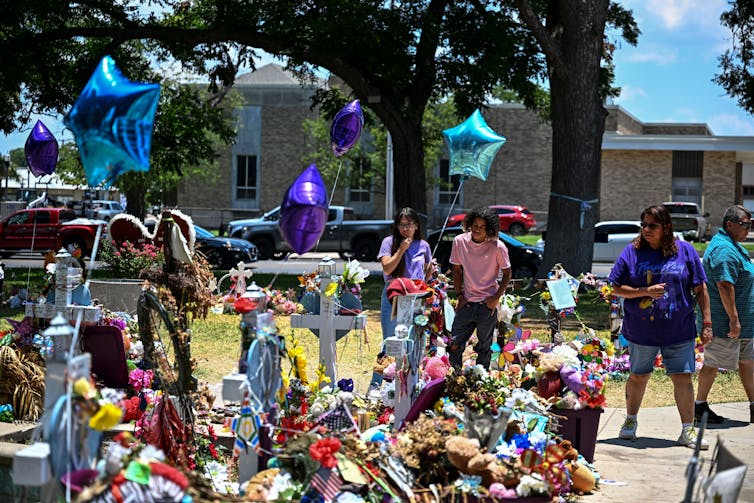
[126, 260]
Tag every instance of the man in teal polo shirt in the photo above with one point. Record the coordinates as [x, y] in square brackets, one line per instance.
[730, 282]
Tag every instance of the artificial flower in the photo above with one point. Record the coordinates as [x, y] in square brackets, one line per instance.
[106, 417]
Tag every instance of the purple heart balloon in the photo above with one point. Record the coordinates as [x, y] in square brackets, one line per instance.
[41, 150]
[303, 212]
[346, 128]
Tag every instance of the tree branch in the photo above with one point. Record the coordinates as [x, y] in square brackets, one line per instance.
[544, 37]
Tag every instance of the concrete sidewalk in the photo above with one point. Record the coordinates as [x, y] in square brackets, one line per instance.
[652, 468]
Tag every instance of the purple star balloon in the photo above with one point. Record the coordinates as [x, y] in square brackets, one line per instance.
[113, 120]
[41, 150]
[346, 128]
[303, 212]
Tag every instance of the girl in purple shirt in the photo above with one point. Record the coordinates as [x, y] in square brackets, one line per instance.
[404, 254]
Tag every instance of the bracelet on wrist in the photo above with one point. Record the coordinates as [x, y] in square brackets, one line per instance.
[707, 323]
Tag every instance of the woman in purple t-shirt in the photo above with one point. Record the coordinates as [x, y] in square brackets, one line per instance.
[403, 254]
[661, 279]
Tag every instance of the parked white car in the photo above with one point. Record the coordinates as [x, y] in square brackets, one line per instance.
[612, 236]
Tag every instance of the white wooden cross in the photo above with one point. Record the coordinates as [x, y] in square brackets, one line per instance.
[67, 277]
[327, 321]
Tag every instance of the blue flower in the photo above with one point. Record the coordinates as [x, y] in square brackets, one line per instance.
[345, 384]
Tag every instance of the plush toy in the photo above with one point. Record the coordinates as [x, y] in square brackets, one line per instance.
[568, 400]
[257, 489]
[436, 367]
[571, 377]
[465, 455]
[549, 362]
[582, 478]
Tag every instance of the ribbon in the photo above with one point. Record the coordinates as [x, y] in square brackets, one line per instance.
[584, 205]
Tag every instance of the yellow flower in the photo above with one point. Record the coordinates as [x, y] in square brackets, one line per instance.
[83, 388]
[108, 416]
[546, 296]
[331, 289]
[322, 378]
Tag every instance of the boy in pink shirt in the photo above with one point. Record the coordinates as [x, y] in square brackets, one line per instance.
[478, 257]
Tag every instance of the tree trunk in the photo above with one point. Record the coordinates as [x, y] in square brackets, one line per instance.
[578, 123]
[134, 187]
[409, 176]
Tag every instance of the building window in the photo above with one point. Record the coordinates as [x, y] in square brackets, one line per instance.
[360, 184]
[687, 183]
[448, 185]
[246, 177]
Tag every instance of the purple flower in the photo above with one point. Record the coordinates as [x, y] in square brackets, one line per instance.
[345, 384]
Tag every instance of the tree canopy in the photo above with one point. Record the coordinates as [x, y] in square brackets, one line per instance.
[737, 77]
[395, 56]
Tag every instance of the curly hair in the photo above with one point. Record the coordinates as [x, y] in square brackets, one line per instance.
[412, 216]
[662, 216]
[492, 224]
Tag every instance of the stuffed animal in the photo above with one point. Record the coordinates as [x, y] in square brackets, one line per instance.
[464, 453]
[257, 489]
[436, 367]
[571, 378]
[549, 362]
[582, 478]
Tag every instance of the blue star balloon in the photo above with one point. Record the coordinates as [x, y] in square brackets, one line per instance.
[472, 146]
[41, 150]
[303, 212]
[112, 121]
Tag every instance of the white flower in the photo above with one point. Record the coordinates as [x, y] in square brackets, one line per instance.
[529, 484]
[50, 268]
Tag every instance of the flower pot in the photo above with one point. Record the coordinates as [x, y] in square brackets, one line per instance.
[348, 302]
[580, 427]
[117, 294]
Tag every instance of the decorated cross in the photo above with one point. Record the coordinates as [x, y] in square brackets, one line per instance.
[407, 363]
[327, 321]
[67, 278]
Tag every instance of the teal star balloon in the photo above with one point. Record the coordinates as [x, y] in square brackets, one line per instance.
[112, 121]
[472, 146]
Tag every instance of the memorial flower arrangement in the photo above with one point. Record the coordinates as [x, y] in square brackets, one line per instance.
[126, 260]
[350, 281]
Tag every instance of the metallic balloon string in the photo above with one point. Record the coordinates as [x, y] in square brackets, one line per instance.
[332, 195]
[445, 223]
[335, 184]
[272, 281]
[33, 236]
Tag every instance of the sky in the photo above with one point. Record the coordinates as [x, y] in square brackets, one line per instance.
[667, 77]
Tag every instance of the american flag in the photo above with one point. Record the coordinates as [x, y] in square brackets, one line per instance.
[327, 483]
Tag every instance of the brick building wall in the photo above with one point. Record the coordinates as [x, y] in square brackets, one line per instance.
[720, 172]
[633, 180]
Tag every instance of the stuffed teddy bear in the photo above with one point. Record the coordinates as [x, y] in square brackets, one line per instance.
[258, 487]
[582, 478]
[464, 453]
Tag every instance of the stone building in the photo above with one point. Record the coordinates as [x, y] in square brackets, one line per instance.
[642, 163]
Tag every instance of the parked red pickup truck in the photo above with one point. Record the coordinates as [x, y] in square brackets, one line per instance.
[44, 229]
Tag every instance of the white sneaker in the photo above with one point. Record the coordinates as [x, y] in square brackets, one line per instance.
[688, 438]
[628, 430]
